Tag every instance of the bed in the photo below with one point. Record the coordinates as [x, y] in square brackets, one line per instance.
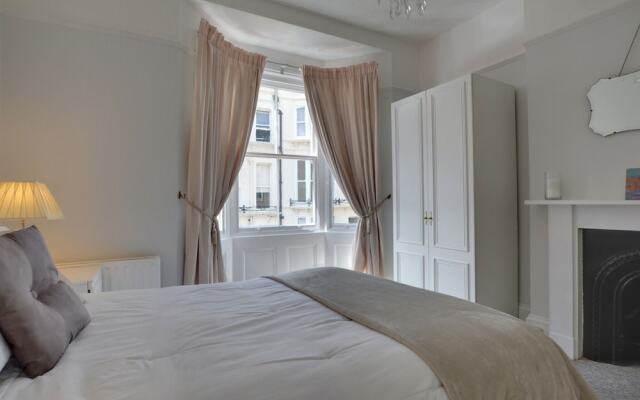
[235, 341]
[290, 337]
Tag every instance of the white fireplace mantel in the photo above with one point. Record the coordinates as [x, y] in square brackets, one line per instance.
[566, 219]
[582, 202]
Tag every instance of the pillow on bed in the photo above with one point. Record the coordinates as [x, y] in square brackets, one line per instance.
[39, 314]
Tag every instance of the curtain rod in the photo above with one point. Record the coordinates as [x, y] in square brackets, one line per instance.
[281, 65]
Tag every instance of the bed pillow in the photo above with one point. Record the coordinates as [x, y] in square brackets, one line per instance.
[39, 314]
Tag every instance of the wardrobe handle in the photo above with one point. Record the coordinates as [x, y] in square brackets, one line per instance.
[428, 217]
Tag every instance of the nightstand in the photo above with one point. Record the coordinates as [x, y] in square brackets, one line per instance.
[85, 279]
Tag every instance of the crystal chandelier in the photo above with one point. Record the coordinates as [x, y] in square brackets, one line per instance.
[405, 7]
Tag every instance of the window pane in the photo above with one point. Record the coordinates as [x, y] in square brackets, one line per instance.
[302, 128]
[298, 193]
[342, 212]
[258, 193]
[264, 137]
[295, 125]
[263, 118]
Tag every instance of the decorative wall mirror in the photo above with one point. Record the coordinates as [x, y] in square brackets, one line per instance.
[615, 102]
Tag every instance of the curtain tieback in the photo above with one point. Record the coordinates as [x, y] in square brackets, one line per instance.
[184, 197]
[215, 227]
[215, 230]
[367, 217]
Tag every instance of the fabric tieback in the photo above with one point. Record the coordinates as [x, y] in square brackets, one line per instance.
[367, 217]
[215, 227]
[215, 232]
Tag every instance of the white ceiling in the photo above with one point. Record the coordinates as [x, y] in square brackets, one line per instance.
[254, 30]
[441, 16]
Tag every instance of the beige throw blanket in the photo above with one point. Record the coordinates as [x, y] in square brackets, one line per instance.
[476, 352]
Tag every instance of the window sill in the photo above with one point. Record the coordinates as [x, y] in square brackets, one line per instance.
[342, 229]
[262, 232]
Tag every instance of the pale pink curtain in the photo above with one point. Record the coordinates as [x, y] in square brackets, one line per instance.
[344, 106]
[226, 85]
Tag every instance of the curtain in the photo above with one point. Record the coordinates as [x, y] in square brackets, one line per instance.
[343, 103]
[225, 95]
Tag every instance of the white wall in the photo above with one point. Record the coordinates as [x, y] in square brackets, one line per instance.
[149, 18]
[97, 115]
[547, 16]
[494, 35]
[560, 70]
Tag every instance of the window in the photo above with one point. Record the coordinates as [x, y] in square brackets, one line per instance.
[342, 212]
[276, 185]
[263, 187]
[283, 183]
[263, 126]
[300, 121]
[257, 193]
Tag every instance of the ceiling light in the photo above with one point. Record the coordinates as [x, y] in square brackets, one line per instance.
[398, 8]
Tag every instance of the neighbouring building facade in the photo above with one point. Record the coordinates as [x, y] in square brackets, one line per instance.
[277, 182]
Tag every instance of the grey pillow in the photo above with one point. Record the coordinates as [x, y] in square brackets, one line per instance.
[39, 315]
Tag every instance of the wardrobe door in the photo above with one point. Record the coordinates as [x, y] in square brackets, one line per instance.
[449, 260]
[409, 233]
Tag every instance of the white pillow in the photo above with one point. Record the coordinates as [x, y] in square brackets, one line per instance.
[5, 353]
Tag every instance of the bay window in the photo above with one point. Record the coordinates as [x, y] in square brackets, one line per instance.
[284, 182]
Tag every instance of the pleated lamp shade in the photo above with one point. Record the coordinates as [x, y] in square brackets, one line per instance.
[27, 200]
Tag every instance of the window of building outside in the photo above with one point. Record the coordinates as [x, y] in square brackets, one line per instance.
[263, 126]
[301, 118]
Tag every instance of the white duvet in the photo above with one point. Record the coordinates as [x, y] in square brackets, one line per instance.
[237, 341]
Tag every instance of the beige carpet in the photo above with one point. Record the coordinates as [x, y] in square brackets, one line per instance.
[611, 382]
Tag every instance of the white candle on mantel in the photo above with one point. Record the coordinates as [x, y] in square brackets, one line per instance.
[552, 186]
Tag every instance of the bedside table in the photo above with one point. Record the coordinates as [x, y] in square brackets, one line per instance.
[85, 279]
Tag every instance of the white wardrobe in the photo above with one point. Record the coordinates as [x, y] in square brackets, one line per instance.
[455, 191]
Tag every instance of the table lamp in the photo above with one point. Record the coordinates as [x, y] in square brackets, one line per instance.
[27, 200]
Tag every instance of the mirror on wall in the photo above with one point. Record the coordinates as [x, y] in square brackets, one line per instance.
[614, 105]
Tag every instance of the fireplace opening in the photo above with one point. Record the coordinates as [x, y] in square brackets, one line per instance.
[611, 295]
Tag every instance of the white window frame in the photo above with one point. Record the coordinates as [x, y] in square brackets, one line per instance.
[321, 181]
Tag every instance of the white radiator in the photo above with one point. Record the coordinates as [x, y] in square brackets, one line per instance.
[124, 274]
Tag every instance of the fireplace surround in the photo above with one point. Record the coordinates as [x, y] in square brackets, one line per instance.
[568, 222]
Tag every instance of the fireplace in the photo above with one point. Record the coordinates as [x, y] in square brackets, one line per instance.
[611, 295]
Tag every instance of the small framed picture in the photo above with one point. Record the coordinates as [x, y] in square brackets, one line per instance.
[633, 184]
